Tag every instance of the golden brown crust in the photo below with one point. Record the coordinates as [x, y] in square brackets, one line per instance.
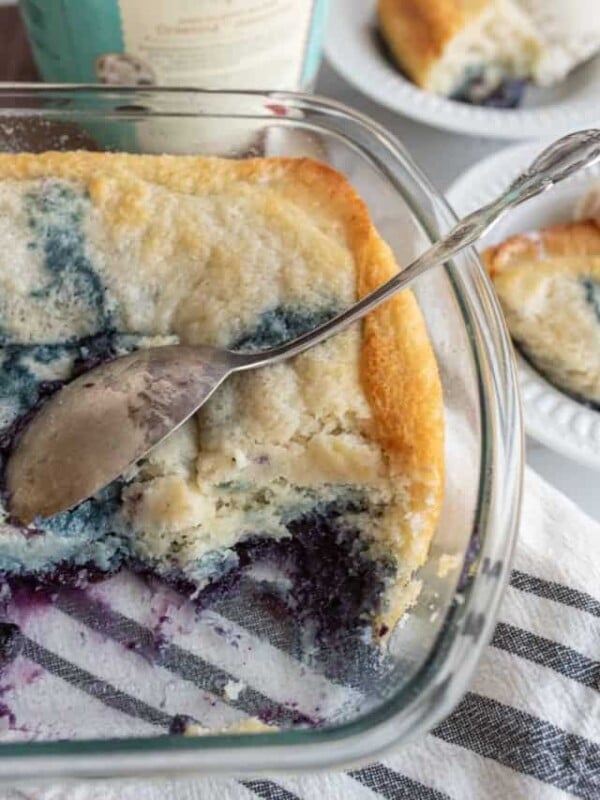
[398, 366]
[402, 384]
[556, 241]
[418, 31]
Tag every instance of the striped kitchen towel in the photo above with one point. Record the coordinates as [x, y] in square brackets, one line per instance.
[529, 727]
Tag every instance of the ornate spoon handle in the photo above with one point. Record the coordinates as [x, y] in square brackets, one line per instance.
[557, 162]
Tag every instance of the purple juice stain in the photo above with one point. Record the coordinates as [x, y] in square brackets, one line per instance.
[335, 585]
[29, 674]
[471, 556]
[36, 591]
[150, 652]
[7, 713]
[29, 597]
[160, 607]
[151, 648]
[11, 645]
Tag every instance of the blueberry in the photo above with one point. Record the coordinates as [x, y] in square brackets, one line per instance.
[179, 724]
[508, 94]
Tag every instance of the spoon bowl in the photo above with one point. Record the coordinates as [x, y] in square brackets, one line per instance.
[91, 430]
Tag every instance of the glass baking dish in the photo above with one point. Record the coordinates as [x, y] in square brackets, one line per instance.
[435, 649]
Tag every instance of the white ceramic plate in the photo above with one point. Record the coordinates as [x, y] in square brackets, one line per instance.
[551, 417]
[352, 48]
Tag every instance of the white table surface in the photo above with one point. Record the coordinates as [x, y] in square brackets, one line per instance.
[444, 156]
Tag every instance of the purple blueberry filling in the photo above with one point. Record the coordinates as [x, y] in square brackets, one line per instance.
[477, 90]
[278, 325]
[55, 214]
[335, 584]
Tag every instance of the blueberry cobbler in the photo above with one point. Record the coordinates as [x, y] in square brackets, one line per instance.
[486, 52]
[548, 283]
[325, 472]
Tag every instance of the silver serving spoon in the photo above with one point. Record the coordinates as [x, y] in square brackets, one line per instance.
[93, 429]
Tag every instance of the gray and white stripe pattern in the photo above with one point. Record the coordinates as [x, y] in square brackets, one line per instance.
[528, 728]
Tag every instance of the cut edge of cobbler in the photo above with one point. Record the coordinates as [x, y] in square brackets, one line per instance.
[324, 572]
[591, 290]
